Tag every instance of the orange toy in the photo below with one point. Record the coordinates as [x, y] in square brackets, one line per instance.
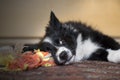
[30, 60]
[46, 57]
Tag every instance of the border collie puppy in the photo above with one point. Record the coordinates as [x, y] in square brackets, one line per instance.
[72, 42]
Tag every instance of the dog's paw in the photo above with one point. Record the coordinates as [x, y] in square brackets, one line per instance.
[25, 48]
[114, 56]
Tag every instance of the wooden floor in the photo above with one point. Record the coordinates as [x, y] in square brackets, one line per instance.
[87, 70]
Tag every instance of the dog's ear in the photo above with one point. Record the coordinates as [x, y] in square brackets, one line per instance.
[53, 20]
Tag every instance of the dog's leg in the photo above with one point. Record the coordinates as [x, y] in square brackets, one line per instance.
[113, 55]
[113, 49]
[30, 47]
[99, 55]
[106, 55]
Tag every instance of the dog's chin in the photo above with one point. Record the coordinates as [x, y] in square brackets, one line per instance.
[70, 61]
[64, 62]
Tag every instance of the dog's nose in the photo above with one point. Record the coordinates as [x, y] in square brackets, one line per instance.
[63, 55]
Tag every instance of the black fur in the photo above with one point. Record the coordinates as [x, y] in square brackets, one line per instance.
[100, 55]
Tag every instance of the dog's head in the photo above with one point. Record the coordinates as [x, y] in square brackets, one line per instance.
[60, 40]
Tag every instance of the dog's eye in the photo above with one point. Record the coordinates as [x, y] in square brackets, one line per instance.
[58, 41]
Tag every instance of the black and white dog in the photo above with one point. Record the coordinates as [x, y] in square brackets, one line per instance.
[72, 42]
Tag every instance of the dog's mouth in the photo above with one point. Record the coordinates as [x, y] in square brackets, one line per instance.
[62, 62]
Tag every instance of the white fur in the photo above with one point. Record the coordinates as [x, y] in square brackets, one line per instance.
[75, 30]
[47, 39]
[114, 56]
[84, 49]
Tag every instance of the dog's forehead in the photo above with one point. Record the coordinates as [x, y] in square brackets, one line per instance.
[69, 27]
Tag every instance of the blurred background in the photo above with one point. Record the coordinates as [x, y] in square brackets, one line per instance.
[28, 18]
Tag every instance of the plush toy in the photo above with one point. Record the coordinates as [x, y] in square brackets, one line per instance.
[30, 60]
[47, 59]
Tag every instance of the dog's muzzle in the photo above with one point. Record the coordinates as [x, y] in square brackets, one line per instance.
[63, 55]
